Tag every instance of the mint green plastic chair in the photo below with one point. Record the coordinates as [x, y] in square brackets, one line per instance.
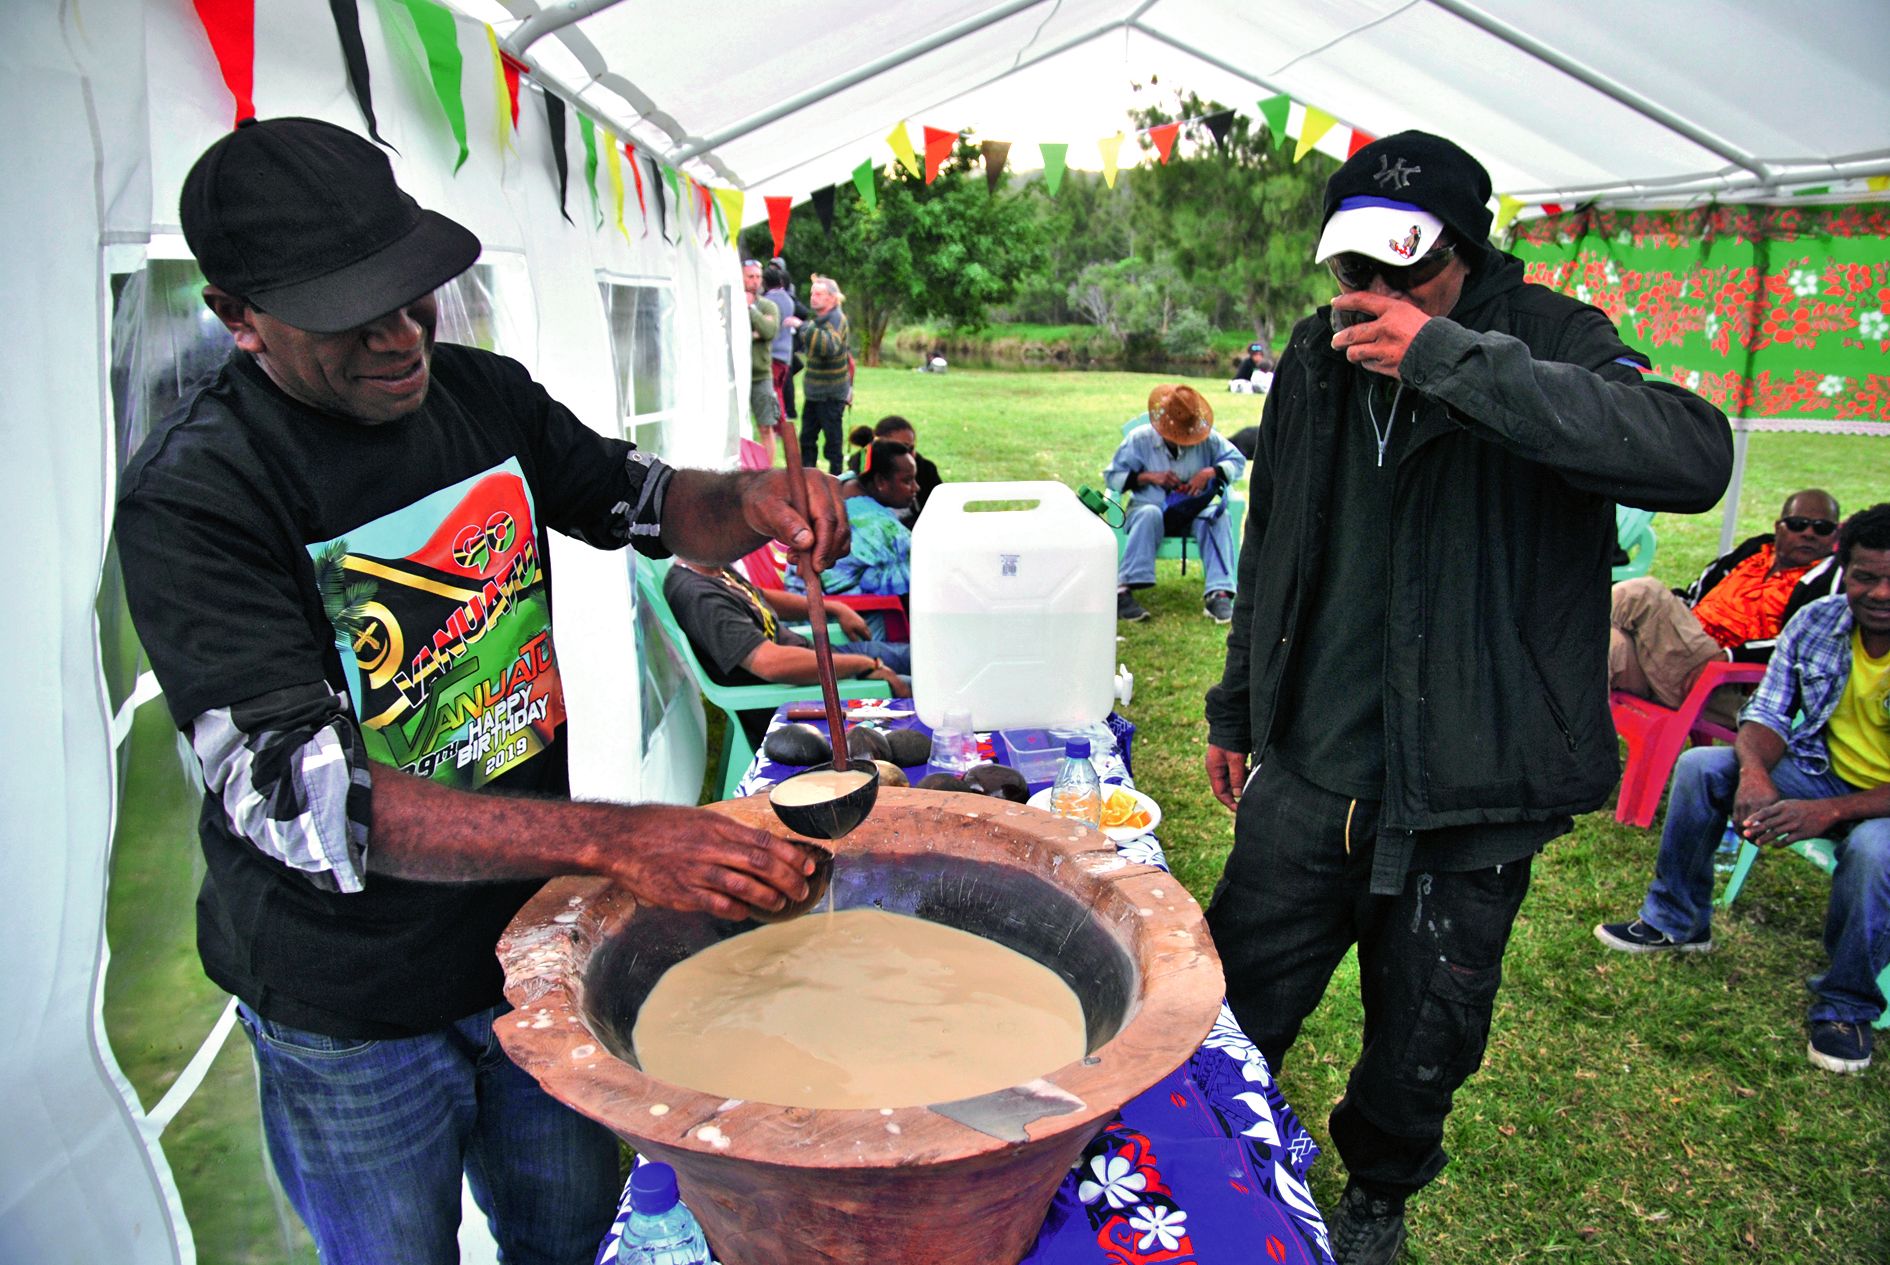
[737, 752]
[1177, 546]
[1821, 853]
[1634, 532]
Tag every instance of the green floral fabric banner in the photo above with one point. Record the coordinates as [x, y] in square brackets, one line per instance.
[1770, 312]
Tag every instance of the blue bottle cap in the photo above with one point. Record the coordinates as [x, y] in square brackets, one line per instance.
[653, 1188]
[1077, 748]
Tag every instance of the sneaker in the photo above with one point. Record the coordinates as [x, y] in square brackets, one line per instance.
[1367, 1229]
[1128, 610]
[1839, 1047]
[1219, 607]
[1638, 937]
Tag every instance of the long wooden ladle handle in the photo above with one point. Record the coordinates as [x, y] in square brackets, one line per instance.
[816, 603]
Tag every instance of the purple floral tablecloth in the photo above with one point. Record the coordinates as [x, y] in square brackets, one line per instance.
[1207, 1167]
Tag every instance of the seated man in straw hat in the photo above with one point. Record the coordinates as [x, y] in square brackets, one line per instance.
[1173, 467]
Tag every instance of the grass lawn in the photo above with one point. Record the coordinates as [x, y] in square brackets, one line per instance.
[1628, 1110]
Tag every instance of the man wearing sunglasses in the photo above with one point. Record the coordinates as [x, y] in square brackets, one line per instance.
[1417, 660]
[1661, 638]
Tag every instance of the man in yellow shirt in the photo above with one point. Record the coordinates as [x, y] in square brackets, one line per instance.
[1812, 761]
[1661, 638]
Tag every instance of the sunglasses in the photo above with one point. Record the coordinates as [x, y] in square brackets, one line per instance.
[1355, 272]
[1822, 526]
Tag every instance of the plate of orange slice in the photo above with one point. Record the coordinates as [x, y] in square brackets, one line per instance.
[1127, 813]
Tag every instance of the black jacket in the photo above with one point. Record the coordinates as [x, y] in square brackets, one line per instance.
[1534, 421]
[1821, 580]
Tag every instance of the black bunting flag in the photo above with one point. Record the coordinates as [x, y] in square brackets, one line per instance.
[823, 206]
[554, 123]
[995, 154]
[348, 30]
[1220, 123]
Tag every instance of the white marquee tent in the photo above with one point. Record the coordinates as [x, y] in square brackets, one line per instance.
[109, 101]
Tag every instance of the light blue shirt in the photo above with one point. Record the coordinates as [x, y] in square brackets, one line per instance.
[1142, 451]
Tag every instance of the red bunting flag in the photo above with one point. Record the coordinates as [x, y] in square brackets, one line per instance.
[1164, 138]
[778, 211]
[1359, 141]
[231, 26]
[636, 174]
[938, 147]
[513, 69]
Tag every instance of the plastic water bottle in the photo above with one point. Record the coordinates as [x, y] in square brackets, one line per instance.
[661, 1230]
[1077, 792]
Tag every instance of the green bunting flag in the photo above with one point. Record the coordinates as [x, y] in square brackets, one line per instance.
[434, 22]
[1274, 110]
[589, 131]
[1053, 160]
[863, 181]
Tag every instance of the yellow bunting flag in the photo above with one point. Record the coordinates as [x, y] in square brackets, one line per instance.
[502, 94]
[1878, 183]
[1109, 145]
[614, 163]
[731, 200]
[1506, 208]
[1317, 124]
[902, 148]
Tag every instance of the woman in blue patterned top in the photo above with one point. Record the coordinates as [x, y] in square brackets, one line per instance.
[881, 558]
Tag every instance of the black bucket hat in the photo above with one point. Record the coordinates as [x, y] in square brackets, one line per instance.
[304, 220]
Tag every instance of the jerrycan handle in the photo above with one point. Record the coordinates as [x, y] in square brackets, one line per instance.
[1032, 496]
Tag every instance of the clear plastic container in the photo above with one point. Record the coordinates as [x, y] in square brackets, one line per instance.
[954, 743]
[661, 1230]
[1013, 607]
[1077, 792]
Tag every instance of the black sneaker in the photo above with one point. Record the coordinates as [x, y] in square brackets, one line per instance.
[1367, 1229]
[1219, 607]
[1638, 937]
[1128, 610]
[1839, 1047]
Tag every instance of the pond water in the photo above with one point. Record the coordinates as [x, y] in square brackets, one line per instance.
[1192, 370]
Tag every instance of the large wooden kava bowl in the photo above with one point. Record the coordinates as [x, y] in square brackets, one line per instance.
[961, 1182]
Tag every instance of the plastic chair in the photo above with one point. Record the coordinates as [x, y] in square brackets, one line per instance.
[1656, 735]
[752, 455]
[764, 572]
[1634, 532]
[737, 751]
[1821, 853]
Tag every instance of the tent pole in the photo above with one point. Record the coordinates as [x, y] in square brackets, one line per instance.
[857, 75]
[550, 20]
[1603, 84]
[1729, 521]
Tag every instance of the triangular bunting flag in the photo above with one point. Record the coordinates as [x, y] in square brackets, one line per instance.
[504, 95]
[1274, 110]
[1219, 124]
[822, 198]
[732, 201]
[1877, 184]
[231, 26]
[434, 22]
[673, 179]
[778, 211]
[707, 197]
[1164, 138]
[863, 181]
[1551, 208]
[902, 149]
[1110, 147]
[1054, 157]
[615, 166]
[1359, 141]
[1506, 208]
[939, 145]
[554, 124]
[636, 175]
[589, 132]
[515, 70]
[1317, 124]
[348, 31]
[995, 154]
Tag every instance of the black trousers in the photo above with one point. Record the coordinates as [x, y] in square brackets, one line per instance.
[823, 418]
[1294, 897]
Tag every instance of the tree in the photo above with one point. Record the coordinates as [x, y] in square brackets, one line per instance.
[1087, 222]
[945, 251]
[1239, 226]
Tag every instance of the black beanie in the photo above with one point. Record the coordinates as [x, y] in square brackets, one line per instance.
[1426, 171]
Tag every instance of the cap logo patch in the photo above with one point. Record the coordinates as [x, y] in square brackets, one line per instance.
[1390, 176]
[1408, 247]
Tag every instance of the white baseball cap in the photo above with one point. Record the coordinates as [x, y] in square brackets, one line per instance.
[1390, 232]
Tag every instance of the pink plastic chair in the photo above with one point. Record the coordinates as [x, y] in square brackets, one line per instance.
[764, 572]
[1655, 736]
[753, 456]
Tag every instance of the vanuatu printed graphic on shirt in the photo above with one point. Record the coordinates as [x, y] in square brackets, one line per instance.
[442, 616]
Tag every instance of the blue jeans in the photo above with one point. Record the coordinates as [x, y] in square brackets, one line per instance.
[369, 1139]
[896, 655]
[1857, 924]
[1213, 538]
[1295, 896]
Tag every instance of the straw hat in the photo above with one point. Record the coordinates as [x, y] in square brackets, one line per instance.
[1180, 415]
